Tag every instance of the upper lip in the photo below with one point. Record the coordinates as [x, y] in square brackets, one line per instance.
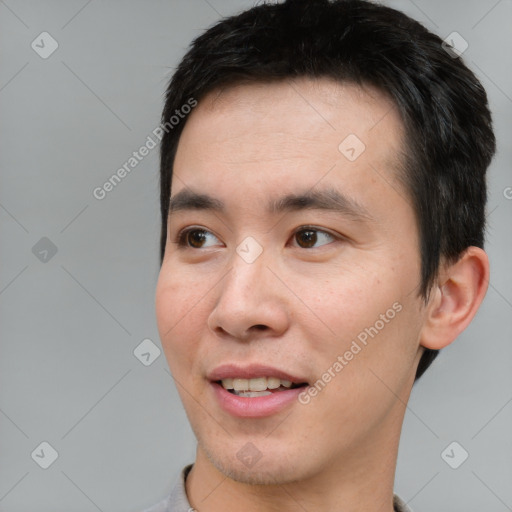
[231, 371]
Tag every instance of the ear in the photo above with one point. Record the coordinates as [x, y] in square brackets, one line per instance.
[455, 298]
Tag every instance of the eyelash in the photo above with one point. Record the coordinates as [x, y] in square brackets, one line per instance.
[181, 237]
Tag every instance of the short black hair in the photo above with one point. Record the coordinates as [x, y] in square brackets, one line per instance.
[449, 137]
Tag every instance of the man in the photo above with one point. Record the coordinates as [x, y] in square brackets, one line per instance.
[322, 199]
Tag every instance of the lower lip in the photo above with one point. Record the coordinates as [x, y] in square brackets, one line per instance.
[255, 407]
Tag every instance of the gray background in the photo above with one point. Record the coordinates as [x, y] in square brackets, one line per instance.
[69, 326]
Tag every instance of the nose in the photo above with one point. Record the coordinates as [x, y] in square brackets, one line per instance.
[251, 302]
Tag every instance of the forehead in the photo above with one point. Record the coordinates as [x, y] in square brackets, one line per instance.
[289, 133]
[321, 102]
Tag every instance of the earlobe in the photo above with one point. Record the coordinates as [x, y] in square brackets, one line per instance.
[454, 301]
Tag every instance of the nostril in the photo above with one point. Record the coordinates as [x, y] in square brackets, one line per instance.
[260, 327]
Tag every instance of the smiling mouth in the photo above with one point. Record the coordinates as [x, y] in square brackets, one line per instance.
[256, 387]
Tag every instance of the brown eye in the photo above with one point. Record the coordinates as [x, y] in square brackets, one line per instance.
[308, 237]
[194, 238]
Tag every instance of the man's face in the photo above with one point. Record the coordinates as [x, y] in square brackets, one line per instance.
[326, 296]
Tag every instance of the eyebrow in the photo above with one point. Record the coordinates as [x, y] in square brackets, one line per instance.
[328, 199]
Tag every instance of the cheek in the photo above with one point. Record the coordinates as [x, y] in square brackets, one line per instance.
[375, 309]
[178, 295]
[343, 304]
[179, 316]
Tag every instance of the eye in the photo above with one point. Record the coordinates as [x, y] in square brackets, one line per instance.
[195, 238]
[307, 237]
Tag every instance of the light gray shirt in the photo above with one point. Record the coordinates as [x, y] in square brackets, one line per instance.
[177, 500]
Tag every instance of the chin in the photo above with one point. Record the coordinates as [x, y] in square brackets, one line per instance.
[275, 469]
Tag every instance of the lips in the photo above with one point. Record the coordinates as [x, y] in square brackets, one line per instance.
[254, 391]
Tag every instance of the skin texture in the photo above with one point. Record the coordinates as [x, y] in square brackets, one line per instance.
[300, 305]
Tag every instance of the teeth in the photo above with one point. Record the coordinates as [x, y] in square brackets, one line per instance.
[240, 384]
[227, 383]
[273, 382]
[257, 384]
